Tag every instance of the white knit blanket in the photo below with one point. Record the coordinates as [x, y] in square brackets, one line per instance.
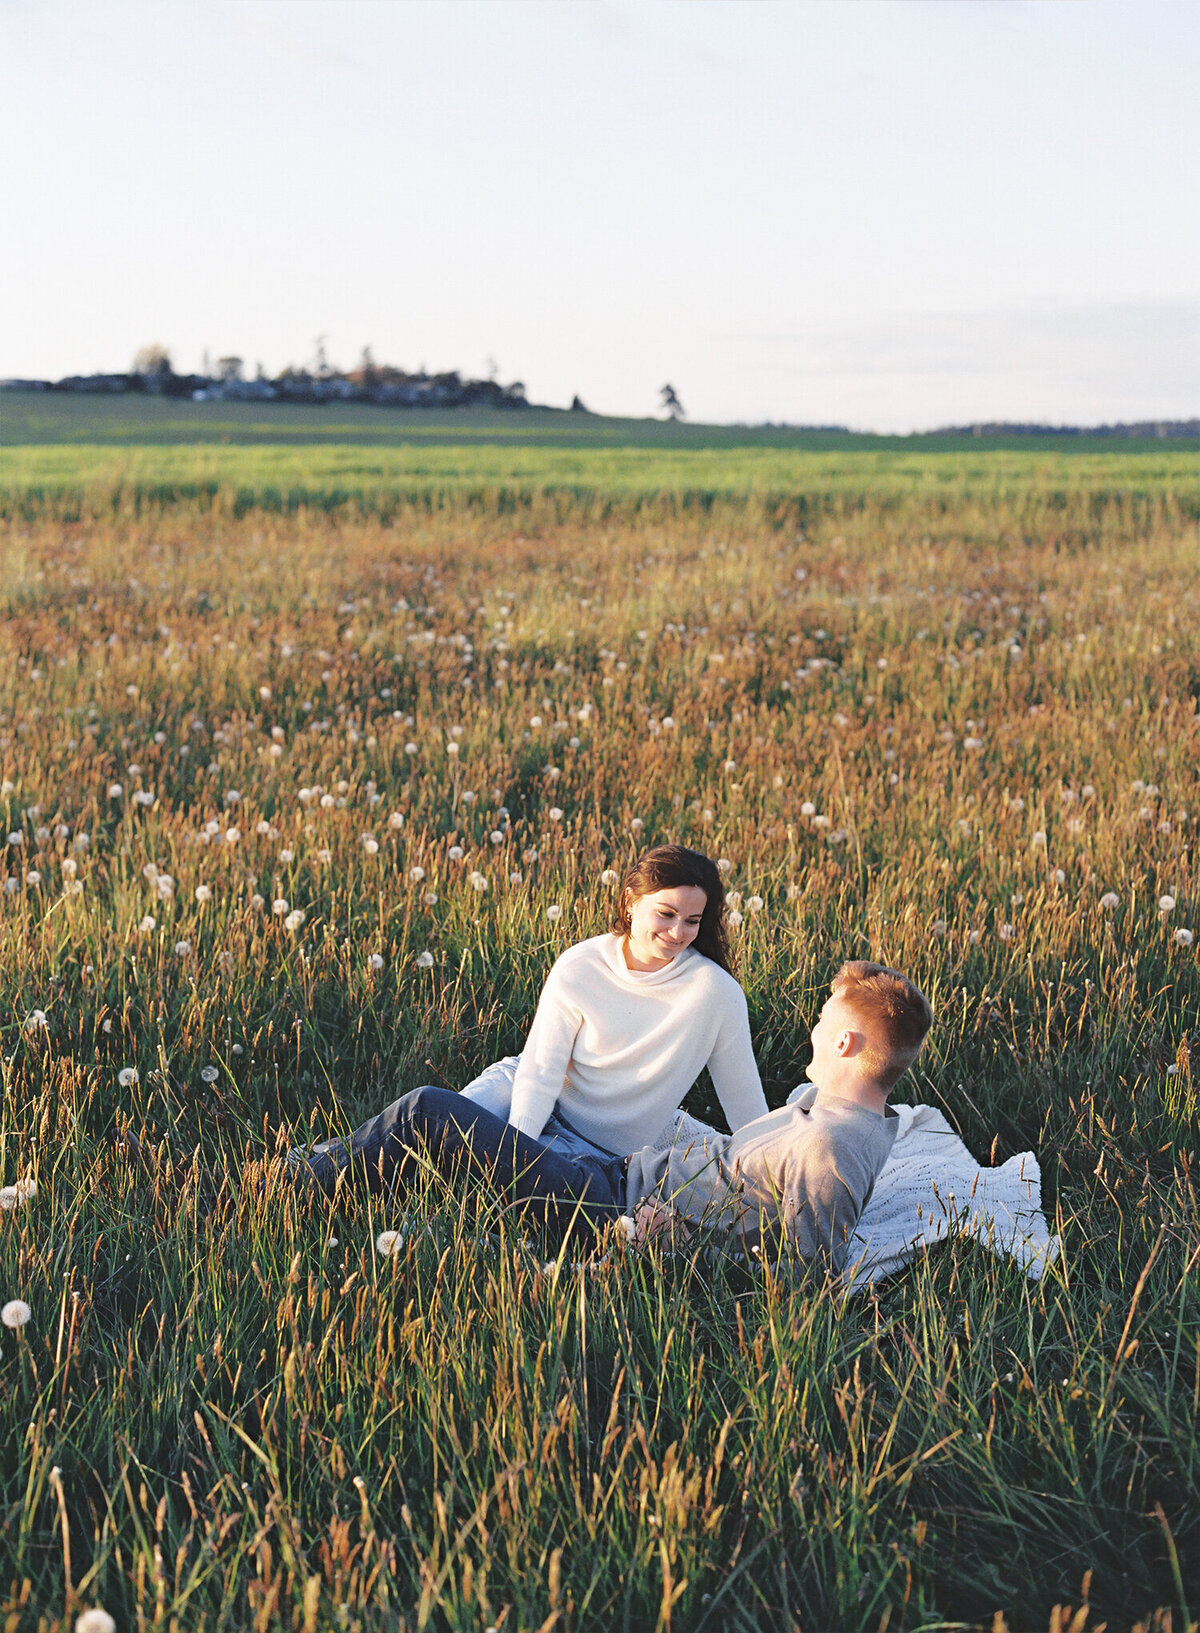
[930, 1188]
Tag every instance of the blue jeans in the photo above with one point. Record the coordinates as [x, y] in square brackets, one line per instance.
[462, 1140]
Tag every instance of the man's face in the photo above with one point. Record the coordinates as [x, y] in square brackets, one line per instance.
[835, 1021]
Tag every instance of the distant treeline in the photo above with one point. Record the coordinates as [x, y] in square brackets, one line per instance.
[153, 375]
[1010, 428]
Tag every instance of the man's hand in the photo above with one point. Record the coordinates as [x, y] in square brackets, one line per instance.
[654, 1223]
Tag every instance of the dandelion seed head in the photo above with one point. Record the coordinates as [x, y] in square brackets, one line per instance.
[608, 877]
[294, 919]
[396, 820]
[203, 893]
[15, 1313]
[1109, 900]
[127, 1076]
[1183, 937]
[209, 1074]
[1166, 904]
[36, 1021]
[388, 1243]
[95, 1620]
[477, 881]
[149, 922]
[280, 906]
[182, 949]
[375, 961]
[554, 912]
[115, 790]
[425, 961]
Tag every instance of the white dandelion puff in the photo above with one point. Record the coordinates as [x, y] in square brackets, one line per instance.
[36, 1021]
[425, 961]
[396, 820]
[203, 893]
[388, 1243]
[608, 877]
[115, 790]
[416, 874]
[1183, 937]
[1166, 904]
[209, 1074]
[554, 912]
[182, 949]
[294, 919]
[280, 906]
[555, 813]
[477, 881]
[375, 961]
[127, 1076]
[1109, 900]
[15, 1313]
[149, 922]
[95, 1620]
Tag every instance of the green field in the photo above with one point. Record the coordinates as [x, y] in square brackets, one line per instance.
[980, 665]
[123, 452]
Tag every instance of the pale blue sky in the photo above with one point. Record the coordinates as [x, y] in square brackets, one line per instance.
[886, 213]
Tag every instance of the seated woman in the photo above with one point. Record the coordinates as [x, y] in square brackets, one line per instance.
[626, 1023]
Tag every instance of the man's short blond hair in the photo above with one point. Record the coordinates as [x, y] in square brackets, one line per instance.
[895, 1016]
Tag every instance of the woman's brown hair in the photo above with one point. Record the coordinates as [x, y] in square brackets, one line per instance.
[664, 868]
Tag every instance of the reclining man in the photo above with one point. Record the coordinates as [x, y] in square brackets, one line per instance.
[791, 1184]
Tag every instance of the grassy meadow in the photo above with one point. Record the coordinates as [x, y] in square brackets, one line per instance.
[291, 787]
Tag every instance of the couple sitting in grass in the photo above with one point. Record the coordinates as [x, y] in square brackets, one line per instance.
[625, 1024]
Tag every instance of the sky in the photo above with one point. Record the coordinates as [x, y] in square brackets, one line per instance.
[887, 214]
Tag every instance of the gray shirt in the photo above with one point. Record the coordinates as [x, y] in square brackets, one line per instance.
[790, 1184]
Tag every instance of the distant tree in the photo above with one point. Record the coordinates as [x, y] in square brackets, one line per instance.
[578, 406]
[152, 362]
[229, 369]
[670, 401]
[367, 374]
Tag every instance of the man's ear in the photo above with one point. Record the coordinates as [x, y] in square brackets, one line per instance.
[847, 1043]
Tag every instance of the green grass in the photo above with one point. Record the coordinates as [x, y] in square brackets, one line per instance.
[254, 1427]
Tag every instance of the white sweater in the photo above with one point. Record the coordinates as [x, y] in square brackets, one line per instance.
[617, 1049]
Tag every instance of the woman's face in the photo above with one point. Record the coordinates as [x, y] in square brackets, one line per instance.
[662, 924]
